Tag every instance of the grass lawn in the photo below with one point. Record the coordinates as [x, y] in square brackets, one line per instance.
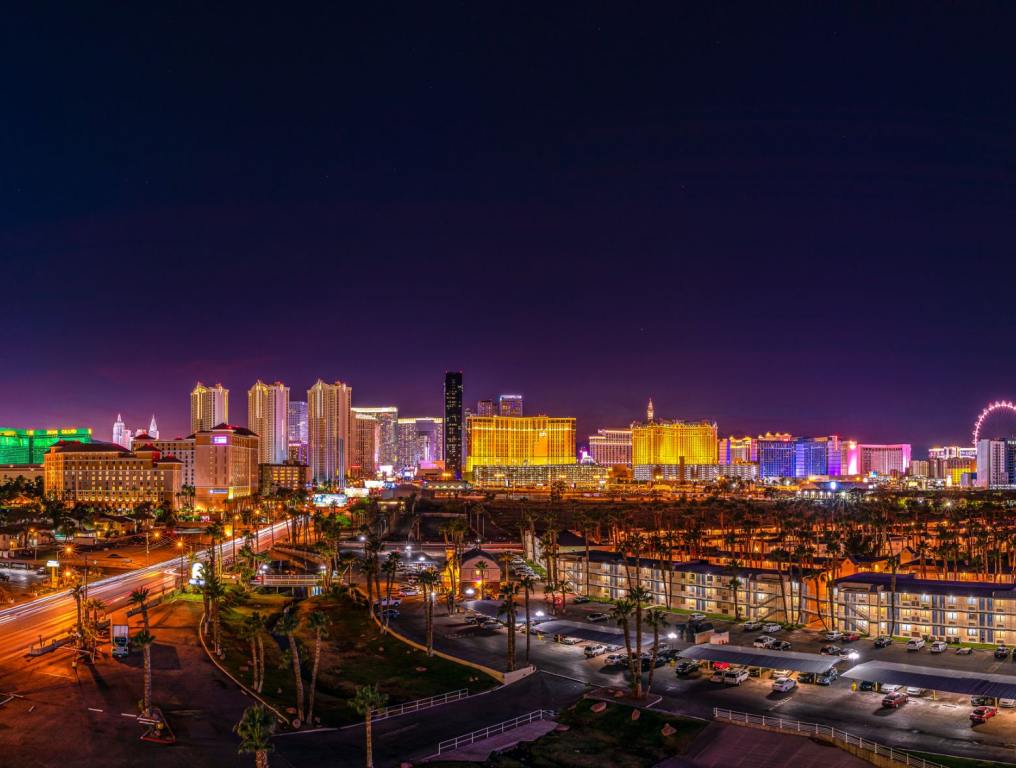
[961, 762]
[354, 654]
[592, 740]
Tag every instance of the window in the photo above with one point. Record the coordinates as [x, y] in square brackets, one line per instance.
[971, 601]
[905, 627]
[951, 631]
[951, 616]
[971, 632]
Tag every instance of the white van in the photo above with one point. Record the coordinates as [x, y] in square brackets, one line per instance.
[915, 644]
[735, 676]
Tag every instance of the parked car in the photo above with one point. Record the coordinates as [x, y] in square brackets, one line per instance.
[806, 677]
[833, 636]
[390, 613]
[939, 646]
[566, 640]
[687, 667]
[867, 685]
[913, 690]
[915, 644]
[764, 641]
[780, 645]
[491, 624]
[735, 676]
[669, 654]
[751, 626]
[784, 684]
[598, 616]
[717, 676]
[882, 641]
[894, 700]
[697, 617]
[782, 673]
[771, 627]
[983, 714]
[594, 650]
[828, 677]
[579, 599]
[981, 701]
[830, 650]
[615, 659]
[1001, 652]
[648, 662]
[1007, 703]
[851, 637]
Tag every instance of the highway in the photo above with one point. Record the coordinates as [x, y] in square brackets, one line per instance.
[52, 615]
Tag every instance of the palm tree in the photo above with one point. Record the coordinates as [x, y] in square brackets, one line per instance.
[621, 615]
[214, 592]
[507, 594]
[317, 621]
[145, 639]
[255, 729]
[639, 597]
[368, 699]
[287, 625]
[390, 567]
[528, 584]
[78, 594]
[655, 618]
[429, 580]
[482, 568]
[139, 597]
[217, 532]
[250, 631]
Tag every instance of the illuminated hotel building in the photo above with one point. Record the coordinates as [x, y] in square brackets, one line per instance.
[737, 450]
[268, 418]
[296, 429]
[509, 405]
[328, 431]
[953, 452]
[884, 459]
[290, 476]
[225, 466]
[363, 446]
[29, 446]
[388, 432]
[209, 407]
[182, 448]
[777, 456]
[485, 408]
[421, 441]
[673, 443]
[587, 476]
[513, 441]
[611, 447]
[453, 425]
[817, 456]
[996, 463]
[121, 435]
[110, 475]
[850, 458]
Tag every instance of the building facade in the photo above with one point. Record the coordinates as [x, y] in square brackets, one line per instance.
[453, 423]
[29, 446]
[182, 449]
[578, 476]
[777, 456]
[737, 450]
[953, 452]
[209, 407]
[674, 442]
[328, 431]
[268, 418]
[388, 433]
[611, 447]
[485, 408]
[694, 473]
[289, 476]
[996, 463]
[109, 475]
[225, 466]
[520, 441]
[420, 442]
[509, 405]
[363, 449]
[817, 456]
[884, 459]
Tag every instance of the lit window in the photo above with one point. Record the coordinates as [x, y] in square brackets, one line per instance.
[972, 632]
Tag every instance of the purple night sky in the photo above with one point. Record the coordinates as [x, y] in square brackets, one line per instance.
[795, 221]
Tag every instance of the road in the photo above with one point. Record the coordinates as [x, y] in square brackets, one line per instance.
[52, 615]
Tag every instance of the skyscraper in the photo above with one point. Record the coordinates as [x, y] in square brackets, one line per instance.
[153, 429]
[777, 456]
[268, 418]
[515, 441]
[421, 440]
[388, 437]
[121, 436]
[328, 432]
[509, 405]
[453, 422]
[209, 407]
[611, 447]
[363, 450]
[485, 408]
[298, 431]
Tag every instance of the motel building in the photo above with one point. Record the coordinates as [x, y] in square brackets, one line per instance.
[694, 586]
[954, 611]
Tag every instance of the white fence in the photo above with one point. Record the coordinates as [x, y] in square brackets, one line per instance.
[449, 745]
[416, 706]
[824, 732]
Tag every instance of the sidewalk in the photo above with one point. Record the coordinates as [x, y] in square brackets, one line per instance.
[479, 751]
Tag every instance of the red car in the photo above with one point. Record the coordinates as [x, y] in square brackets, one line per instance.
[850, 637]
[721, 665]
[983, 714]
[895, 700]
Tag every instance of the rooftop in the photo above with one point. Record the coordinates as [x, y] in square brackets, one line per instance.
[909, 583]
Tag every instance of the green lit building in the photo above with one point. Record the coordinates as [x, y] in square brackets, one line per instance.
[28, 446]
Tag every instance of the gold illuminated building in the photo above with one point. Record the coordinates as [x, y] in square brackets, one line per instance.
[515, 441]
[674, 442]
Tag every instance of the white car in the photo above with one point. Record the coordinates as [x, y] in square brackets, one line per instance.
[491, 624]
[735, 676]
[771, 627]
[1007, 703]
[939, 646]
[697, 617]
[915, 644]
[784, 684]
[752, 626]
[890, 688]
[594, 650]
[615, 658]
[763, 642]
[834, 636]
[913, 690]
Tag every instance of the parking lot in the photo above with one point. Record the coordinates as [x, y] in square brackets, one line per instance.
[931, 722]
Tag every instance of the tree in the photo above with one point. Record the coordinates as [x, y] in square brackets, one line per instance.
[319, 622]
[482, 568]
[368, 699]
[255, 729]
[507, 593]
[287, 625]
[528, 584]
[655, 618]
[214, 592]
[144, 639]
[78, 594]
[639, 597]
[391, 567]
[250, 631]
[621, 615]
[139, 597]
[429, 579]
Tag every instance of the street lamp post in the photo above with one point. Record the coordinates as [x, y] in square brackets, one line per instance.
[84, 562]
[148, 558]
[179, 546]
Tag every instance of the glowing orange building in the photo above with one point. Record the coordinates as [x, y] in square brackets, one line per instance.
[513, 441]
[674, 442]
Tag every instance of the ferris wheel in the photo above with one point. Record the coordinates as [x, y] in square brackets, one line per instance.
[998, 405]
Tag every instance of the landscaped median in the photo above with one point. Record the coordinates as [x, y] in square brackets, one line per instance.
[353, 654]
[587, 738]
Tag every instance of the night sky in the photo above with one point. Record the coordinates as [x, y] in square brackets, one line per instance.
[795, 220]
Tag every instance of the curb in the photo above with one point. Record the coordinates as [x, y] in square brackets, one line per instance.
[281, 717]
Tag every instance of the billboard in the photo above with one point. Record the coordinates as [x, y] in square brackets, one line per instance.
[329, 499]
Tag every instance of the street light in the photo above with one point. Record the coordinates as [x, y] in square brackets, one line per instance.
[179, 546]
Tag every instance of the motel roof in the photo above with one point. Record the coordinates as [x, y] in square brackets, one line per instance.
[936, 678]
[909, 583]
